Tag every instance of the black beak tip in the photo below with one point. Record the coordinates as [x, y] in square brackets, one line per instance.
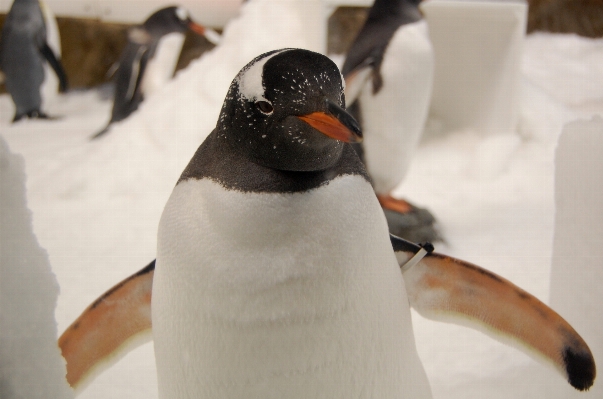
[345, 118]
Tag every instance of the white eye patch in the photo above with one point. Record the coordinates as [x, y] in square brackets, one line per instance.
[182, 13]
[251, 86]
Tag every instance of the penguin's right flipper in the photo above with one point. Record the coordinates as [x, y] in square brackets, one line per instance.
[356, 79]
[140, 37]
[56, 66]
[115, 323]
[137, 68]
[443, 288]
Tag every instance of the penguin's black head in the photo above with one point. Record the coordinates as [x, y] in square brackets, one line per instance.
[285, 110]
[170, 20]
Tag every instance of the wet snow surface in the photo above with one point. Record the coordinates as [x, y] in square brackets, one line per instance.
[96, 205]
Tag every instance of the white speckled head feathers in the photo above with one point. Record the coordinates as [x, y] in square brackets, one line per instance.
[250, 79]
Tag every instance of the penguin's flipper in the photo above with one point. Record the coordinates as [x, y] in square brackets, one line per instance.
[56, 65]
[137, 72]
[115, 323]
[356, 79]
[443, 288]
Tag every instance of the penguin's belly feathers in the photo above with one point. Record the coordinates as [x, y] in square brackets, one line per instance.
[395, 116]
[269, 306]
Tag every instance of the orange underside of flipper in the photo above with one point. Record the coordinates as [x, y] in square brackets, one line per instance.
[441, 287]
[117, 316]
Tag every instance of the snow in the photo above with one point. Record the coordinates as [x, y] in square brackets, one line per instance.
[578, 243]
[30, 362]
[96, 205]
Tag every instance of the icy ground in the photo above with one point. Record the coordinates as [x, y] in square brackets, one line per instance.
[96, 205]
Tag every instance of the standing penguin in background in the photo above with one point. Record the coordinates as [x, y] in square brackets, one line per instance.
[140, 50]
[275, 274]
[23, 49]
[389, 77]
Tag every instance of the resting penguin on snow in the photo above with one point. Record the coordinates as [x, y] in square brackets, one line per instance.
[140, 50]
[389, 76]
[276, 276]
[23, 49]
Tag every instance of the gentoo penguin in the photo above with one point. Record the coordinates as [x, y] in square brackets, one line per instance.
[139, 51]
[276, 276]
[23, 49]
[389, 75]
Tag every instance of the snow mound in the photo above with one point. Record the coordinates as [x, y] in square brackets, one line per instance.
[576, 272]
[30, 363]
[569, 82]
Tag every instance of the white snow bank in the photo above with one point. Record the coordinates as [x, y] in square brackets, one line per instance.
[30, 362]
[569, 82]
[577, 272]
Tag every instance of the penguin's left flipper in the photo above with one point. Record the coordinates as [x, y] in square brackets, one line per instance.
[56, 65]
[443, 288]
[114, 324]
[356, 79]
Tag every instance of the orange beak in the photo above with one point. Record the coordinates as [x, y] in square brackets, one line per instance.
[198, 29]
[335, 123]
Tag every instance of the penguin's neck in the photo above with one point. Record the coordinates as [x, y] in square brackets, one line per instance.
[216, 161]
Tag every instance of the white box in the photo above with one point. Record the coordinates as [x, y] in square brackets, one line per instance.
[478, 47]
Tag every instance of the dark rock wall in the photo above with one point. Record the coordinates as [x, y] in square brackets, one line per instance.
[89, 48]
[584, 17]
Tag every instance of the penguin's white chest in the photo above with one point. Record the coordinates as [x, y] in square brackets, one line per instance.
[280, 296]
[394, 118]
[161, 67]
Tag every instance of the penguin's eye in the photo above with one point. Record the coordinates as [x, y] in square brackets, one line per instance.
[265, 107]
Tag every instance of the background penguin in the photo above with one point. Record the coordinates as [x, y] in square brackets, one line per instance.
[23, 49]
[140, 50]
[275, 273]
[389, 77]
